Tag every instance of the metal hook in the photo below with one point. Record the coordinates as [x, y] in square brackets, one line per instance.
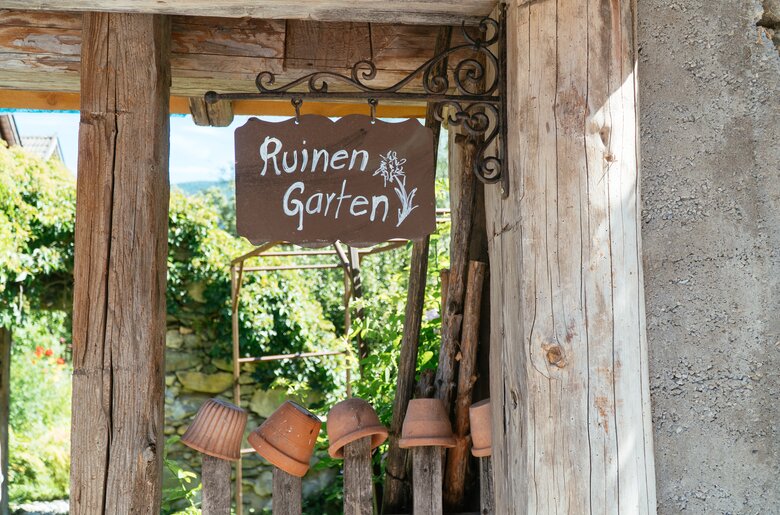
[372, 102]
[297, 102]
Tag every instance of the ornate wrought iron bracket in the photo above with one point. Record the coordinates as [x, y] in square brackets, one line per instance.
[478, 102]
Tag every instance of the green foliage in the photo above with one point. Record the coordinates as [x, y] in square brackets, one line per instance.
[186, 487]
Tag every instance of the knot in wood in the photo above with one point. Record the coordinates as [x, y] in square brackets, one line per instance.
[555, 356]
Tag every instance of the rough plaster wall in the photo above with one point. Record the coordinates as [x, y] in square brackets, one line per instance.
[710, 96]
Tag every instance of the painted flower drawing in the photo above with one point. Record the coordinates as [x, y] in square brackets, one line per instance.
[392, 171]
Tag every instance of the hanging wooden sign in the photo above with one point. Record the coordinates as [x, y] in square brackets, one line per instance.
[320, 180]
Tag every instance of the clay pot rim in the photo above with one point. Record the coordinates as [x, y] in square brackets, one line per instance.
[203, 450]
[276, 457]
[481, 403]
[427, 441]
[378, 436]
[484, 452]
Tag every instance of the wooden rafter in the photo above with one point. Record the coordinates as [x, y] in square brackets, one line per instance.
[429, 12]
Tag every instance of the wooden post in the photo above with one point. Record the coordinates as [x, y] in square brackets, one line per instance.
[215, 475]
[357, 293]
[286, 493]
[463, 202]
[427, 480]
[487, 505]
[120, 265]
[358, 484]
[5, 398]
[458, 456]
[569, 376]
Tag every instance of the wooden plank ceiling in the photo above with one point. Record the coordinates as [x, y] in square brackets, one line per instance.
[424, 12]
[40, 50]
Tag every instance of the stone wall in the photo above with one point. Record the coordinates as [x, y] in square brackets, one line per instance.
[191, 378]
[709, 77]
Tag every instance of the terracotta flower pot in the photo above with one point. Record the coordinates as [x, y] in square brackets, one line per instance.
[481, 429]
[426, 424]
[350, 420]
[287, 438]
[217, 430]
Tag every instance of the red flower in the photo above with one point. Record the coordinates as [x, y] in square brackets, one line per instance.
[49, 352]
[60, 361]
[39, 351]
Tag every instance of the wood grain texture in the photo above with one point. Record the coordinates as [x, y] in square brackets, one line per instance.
[358, 478]
[569, 376]
[432, 12]
[215, 476]
[487, 501]
[216, 114]
[462, 199]
[426, 472]
[286, 493]
[458, 457]
[40, 51]
[120, 266]
[5, 398]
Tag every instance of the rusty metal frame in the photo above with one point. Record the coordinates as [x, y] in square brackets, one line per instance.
[478, 103]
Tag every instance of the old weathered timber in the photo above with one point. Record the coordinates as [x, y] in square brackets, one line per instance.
[487, 501]
[40, 51]
[462, 180]
[217, 114]
[358, 483]
[458, 456]
[569, 377]
[215, 477]
[357, 294]
[286, 493]
[120, 266]
[436, 12]
[426, 476]
[5, 397]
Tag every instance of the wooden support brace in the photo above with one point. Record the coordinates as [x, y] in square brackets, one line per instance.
[215, 476]
[427, 480]
[218, 114]
[458, 457]
[286, 493]
[358, 485]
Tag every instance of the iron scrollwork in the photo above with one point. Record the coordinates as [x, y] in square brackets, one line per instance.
[477, 103]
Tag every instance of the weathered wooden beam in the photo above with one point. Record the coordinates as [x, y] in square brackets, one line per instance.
[319, 45]
[120, 266]
[458, 456]
[41, 51]
[216, 114]
[431, 12]
[5, 398]
[569, 376]
[215, 476]
[358, 477]
[286, 493]
[487, 501]
[426, 473]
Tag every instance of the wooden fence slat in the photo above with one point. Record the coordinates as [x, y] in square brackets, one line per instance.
[427, 480]
[215, 476]
[286, 493]
[358, 490]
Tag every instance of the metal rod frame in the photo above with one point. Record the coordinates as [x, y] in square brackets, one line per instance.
[478, 103]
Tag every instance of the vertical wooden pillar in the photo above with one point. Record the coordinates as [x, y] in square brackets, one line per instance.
[569, 376]
[287, 493]
[5, 399]
[215, 474]
[358, 479]
[120, 265]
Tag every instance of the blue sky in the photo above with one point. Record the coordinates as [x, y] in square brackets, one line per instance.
[197, 153]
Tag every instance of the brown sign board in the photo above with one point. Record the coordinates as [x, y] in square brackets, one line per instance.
[321, 180]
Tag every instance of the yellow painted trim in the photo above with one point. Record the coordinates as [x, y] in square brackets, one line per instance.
[61, 101]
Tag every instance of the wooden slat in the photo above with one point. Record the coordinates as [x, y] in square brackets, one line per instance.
[286, 493]
[216, 114]
[358, 484]
[429, 12]
[317, 45]
[215, 476]
[120, 266]
[427, 480]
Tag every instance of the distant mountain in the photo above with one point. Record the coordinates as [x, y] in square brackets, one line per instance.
[195, 187]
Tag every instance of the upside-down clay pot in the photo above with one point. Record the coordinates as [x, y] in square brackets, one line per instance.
[426, 424]
[217, 430]
[287, 438]
[481, 429]
[350, 420]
